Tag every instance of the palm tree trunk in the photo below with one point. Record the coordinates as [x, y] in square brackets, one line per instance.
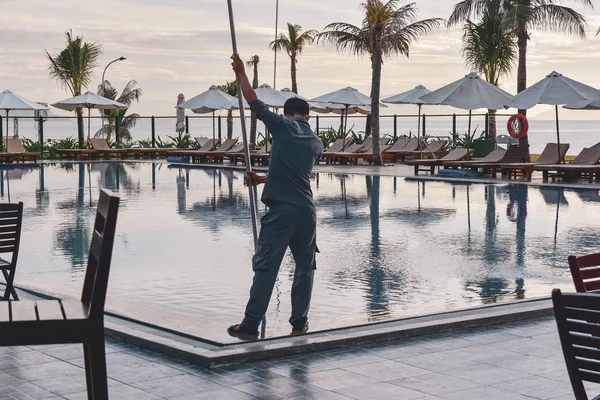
[253, 122]
[294, 81]
[375, 92]
[492, 127]
[522, 39]
[229, 124]
[80, 127]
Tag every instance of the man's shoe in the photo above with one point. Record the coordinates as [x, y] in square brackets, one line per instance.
[241, 330]
[300, 330]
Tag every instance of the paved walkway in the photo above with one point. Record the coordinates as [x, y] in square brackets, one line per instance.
[516, 362]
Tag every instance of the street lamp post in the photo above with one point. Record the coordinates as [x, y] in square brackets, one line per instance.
[103, 73]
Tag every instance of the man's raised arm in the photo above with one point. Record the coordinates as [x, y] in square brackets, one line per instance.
[272, 121]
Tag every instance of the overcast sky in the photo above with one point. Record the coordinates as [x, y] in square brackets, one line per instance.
[185, 47]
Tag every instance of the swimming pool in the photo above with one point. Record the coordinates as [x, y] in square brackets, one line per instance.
[390, 248]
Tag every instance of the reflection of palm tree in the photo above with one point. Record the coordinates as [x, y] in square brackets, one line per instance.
[74, 238]
[516, 211]
[377, 297]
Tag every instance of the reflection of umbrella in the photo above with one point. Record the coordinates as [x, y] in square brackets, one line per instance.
[411, 97]
[469, 93]
[180, 124]
[10, 101]
[348, 97]
[208, 102]
[555, 89]
[88, 100]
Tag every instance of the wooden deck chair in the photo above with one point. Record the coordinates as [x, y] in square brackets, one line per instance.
[408, 150]
[201, 141]
[48, 322]
[15, 151]
[103, 149]
[589, 157]
[435, 148]
[578, 321]
[11, 218]
[367, 155]
[429, 165]
[339, 145]
[585, 271]
[494, 157]
[552, 154]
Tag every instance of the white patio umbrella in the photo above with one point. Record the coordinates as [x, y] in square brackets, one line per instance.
[88, 100]
[469, 93]
[555, 89]
[10, 101]
[209, 102]
[348, 97]
[412, 96]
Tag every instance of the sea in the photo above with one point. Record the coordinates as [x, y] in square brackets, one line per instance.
[579, 134]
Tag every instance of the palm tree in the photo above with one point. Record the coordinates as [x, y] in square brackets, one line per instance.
[522, 16]
[231, 89]
[253, 63]
[489, 47]
[293, 44]
[73, 68]
[126, 122]
[387, 29]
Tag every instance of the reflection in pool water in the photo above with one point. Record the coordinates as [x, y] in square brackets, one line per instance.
[390, 248]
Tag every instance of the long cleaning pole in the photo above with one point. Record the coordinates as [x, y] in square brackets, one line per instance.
[276, 34]
[251, 188]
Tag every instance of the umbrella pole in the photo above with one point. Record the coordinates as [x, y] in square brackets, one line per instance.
[345, 128]
[6, 134]
[213, 125]
[251, 188]
[419, 134]
[560, 161]
[469, 133]
[89, 123]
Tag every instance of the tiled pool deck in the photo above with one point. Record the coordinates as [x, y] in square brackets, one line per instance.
[514, 361]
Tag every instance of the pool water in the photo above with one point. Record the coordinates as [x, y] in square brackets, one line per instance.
[390, 248]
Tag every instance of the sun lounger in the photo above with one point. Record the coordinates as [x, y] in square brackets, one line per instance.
[367, 155]
[398, 146]
[78, 154]
[436, 149]
[409, 148]
[215, 155]
[550, 155]
[209, 145]
[201, 141]
[586, 163]
[493, 157]
[339, 145]
[15, 151]
[103, 149]
[429, 165]
[331, 157]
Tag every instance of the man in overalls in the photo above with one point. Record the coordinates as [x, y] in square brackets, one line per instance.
[291, 220]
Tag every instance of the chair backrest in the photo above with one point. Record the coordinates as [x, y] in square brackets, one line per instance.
[99, 144]
[14, 146]
[354, 148]
[514, 154]
[585, 271]
[11, 218]
[210, 144]
[367, 144]
[412, 145]
[588, 156]
[98, 268]
[435, 146]
[552, 154]
[494, 156]
[238, 148]
[456, 155]
[339, 144]
[400, 144]
[578, 321]
[227, 145]
[201, 141]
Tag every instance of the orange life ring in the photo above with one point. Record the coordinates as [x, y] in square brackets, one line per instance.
[518, 126]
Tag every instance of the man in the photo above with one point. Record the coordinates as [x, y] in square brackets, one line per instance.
[291, 220]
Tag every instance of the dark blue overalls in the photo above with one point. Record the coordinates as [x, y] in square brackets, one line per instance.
[291, 220]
